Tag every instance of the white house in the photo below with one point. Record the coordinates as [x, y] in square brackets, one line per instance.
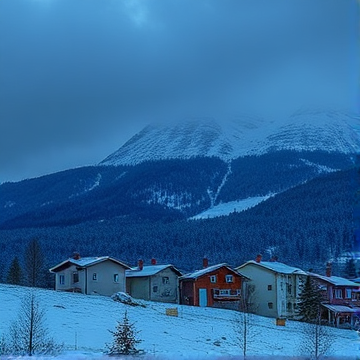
[91, 275]
[276, 287]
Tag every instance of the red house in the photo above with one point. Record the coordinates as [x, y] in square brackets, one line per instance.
[341, 299]
[214, 286]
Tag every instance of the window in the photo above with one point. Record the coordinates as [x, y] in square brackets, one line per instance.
[62, 279]
[338, 294]
[289, 306]
[116, 278]
[165, 280]
[289, 288]
[94, 276]
[155, 288]
[213, 278]
[348, 293]
[270, 305]
[229, 278]
[269, 287]
[226, 293]
[75, 277]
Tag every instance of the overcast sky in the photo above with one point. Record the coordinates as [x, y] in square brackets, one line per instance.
[79, 77]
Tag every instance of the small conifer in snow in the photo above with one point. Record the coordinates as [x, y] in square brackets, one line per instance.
[124, 338]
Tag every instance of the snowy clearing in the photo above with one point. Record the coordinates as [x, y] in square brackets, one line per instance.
[82, 322]
[232, 206]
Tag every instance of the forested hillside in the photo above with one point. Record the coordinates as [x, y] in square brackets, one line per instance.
[303, 226]
[165, 190]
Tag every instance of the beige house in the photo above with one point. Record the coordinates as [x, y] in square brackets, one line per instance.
[153, 282]
[276, 287]
[90, 275]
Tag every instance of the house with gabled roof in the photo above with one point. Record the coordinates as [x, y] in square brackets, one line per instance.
[153, 282]
[276, 287]
[214, 286]
[90, 275]
[341, 303]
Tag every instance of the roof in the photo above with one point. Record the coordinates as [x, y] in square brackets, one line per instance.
[336, 280]
[85, 262]
[275, 266]
[149, 270]
[196, 274]
[342, 308]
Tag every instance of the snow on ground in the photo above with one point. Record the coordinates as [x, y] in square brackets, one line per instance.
[232, 206]
[82, 322]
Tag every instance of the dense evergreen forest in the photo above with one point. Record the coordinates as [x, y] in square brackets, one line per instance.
[163, 190]
[304, 226]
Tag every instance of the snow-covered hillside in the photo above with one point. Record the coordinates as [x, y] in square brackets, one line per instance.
[229, 139]
[82, 322]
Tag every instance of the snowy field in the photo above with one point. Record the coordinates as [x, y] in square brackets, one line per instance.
[82, 322]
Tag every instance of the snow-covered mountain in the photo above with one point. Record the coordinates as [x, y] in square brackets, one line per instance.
[230, 139]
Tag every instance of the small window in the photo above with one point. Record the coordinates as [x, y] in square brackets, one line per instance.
[225, 292]
[155, 288]
[94, 276]
[269, 287]
[289, 289]
[270, 305]
[213, 278]
[348, 293]
[165, 280]
[229, 278]
[62, 279]
[289, 306]
[75, 277]
[116, 278]
[338, 294]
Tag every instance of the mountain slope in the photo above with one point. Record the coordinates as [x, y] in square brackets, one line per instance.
[230, 139]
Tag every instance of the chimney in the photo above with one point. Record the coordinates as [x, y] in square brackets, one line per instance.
[205, 262]
[274, 259]
[140, 264]
[153, 261]
[328, 269]
[76, 256]
[258, 258]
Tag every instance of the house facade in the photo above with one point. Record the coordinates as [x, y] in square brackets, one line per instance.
[153, 282]
[276, 287]
[90, 275]
[341, 305]
[214, 286]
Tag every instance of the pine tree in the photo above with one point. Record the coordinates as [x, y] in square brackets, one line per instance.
[350, 269]
[14, 274]
[309, 301]
[34, 264]
[124, 338]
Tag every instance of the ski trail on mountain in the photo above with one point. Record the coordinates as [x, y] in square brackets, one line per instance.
[212, 197]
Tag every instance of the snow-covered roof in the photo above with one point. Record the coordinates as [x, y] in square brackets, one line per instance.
[342, 308]
[149, 270]
[336, 280]
[207, 270]
[275, 266]
[86, 262]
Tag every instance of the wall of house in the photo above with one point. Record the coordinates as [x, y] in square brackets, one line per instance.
[204, 282]
[187, 292]
[138, 287]
[69, 284]
[164, 286]
[105, 282]
[265, 289]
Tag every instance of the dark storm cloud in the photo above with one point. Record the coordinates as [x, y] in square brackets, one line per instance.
[80, 76]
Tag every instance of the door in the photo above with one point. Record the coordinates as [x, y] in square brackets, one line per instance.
[202, 297]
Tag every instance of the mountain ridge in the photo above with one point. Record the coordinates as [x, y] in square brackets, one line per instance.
[228, 140]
